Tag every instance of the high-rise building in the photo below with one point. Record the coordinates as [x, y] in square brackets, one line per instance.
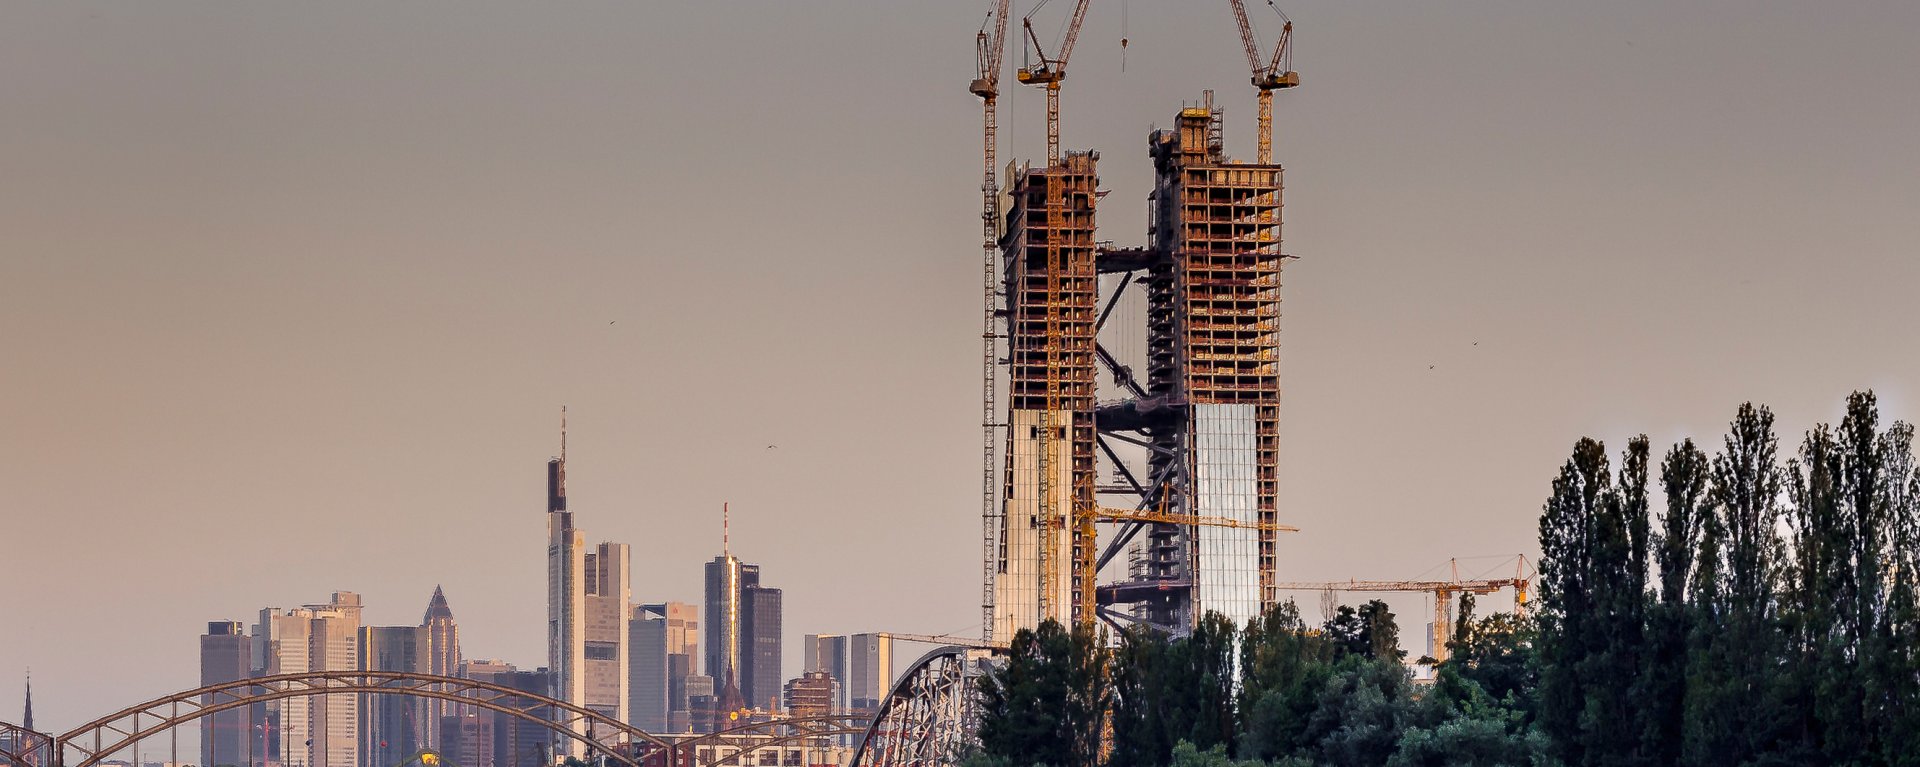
[664, 642]
[442, 655]
[811, 694]
[516, 742]
[760, 651]
[743, 627]
[1052, 293]
[870, 672]
[609, 603]
[702, 698]
[280, 641]
[225, 656]
[828, 652]
[1213, 354]
[320, 731]
[587, 611]
[469, 739]
[1207, 407]
[726, 575]
[393, 727]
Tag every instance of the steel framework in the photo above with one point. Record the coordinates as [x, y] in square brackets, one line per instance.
[94, 741]
[930, 717]
[21, 747]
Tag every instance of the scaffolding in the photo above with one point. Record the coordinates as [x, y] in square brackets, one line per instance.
[1052, 294]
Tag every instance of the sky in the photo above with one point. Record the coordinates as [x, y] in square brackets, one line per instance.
[291, 294]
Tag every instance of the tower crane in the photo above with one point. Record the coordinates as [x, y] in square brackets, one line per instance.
[1443, 593]
[986, 85]
[1050, 71]
[1269, 75]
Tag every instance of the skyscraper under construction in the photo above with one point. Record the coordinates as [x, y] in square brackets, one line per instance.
[1197, 520]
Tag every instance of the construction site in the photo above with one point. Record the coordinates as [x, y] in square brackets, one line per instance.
[1130, 472]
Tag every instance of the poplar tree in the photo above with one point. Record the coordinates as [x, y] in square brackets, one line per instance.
[1662, 693]
[1567, 595]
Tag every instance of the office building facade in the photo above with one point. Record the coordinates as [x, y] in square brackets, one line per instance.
[664, 642]
[226, 655]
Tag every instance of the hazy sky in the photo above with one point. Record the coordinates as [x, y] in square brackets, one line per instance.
[291, 294]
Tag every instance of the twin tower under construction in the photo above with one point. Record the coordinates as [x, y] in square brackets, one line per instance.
[1189, 522]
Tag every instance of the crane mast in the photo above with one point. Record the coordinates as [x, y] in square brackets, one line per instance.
[986, 85]
[1049, 72]
[1268, 76]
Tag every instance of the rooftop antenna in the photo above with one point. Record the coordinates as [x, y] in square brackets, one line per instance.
[563, 433]
[726, 549]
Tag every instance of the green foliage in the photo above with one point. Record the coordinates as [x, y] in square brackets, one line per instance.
[1185, 754]
[1485, 739]
[1166, 692]
[1492, 663]
[1780, 626]
[1048, 704]
[1732, 610]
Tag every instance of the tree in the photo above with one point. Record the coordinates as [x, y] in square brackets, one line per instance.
[1369, 632]
[1169, 691]
[1683, 480]
[1283, 669]
[1491, 661]
[1048, 704]
[1567, 594]
[1138, 663]
[1739, 708]
[1363, 711]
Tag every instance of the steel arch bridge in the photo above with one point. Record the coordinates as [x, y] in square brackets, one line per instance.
[927, 720]
[931, 716]
[21, 747]
[94, 741]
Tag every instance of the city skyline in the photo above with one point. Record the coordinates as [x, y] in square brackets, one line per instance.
[298, 289]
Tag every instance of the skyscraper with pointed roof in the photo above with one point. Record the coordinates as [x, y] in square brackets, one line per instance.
[442, 657]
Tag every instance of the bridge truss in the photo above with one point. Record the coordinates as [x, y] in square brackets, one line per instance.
[928, 719]
[21, 747]
[623, 744]
[931, 716]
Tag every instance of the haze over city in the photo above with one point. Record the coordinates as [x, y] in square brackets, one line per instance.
[293, 295]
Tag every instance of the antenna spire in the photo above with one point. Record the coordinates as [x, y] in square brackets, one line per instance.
[726, 546]
[27, 718]
[557, 472]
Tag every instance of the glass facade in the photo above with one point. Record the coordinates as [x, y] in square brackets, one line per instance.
[1226, 485]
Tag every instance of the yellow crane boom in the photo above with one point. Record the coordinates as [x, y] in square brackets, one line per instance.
[1108, 514]
[1268, 76]
[1443, 592]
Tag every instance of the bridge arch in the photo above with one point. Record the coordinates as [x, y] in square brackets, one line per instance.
[100, 738]
[21, 747]
[929, 718]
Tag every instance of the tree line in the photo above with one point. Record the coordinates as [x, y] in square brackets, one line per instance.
[1733, 608]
